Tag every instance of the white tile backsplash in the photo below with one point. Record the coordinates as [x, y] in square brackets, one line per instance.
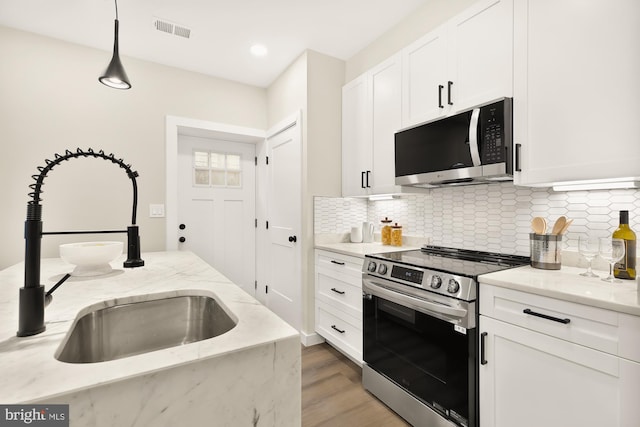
[493, 217]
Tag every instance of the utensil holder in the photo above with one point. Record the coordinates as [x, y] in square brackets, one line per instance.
[546, 251]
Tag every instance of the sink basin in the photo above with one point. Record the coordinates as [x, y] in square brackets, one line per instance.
[126, 329]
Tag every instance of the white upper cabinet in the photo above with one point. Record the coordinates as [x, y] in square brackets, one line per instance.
[356, 137]
[424, 72]
[464, 63]
[386, 104]
[371, 114]
[576, 90]
[481, 54]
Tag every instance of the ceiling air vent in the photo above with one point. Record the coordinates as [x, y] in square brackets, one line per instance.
[171, 28]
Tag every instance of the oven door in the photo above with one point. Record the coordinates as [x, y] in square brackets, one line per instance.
[427, 356]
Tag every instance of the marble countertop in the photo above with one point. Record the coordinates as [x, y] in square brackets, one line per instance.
[567, 284]
[340, 244]
[28, 368]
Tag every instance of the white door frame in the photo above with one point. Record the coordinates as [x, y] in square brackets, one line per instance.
[181, 125]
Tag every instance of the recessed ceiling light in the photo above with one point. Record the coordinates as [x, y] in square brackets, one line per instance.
[259, 50]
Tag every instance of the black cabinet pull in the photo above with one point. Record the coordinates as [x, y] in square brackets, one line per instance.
[440, 87]
[518, 148]
[337, 291]
[333, 261]
[368, 173]
[483, 361]
[293, 239]
[182, 226]
[182, 240]
[362, 179]
[339, 330]
[449, 84]
[546, 316]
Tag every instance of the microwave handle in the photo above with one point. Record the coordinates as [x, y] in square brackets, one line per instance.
[473, 137]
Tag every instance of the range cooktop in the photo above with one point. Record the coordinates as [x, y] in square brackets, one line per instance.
[462, 262]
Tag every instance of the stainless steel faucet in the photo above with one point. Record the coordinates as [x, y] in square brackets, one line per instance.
[32, 295]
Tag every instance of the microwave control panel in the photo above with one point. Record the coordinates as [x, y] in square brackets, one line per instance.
[492, 135]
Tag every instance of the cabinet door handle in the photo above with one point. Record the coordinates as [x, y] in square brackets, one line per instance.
[440, 87]
[337, 291]
[333, 261]
[368, 173]
[546, 316]
[449, 84]
[518, 149]
[483, 361]
[336, 329]
[362, 180]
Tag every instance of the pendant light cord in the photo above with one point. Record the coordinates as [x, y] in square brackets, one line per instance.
[116, 1]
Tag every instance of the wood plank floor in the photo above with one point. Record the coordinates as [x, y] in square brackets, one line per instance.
[332, 392]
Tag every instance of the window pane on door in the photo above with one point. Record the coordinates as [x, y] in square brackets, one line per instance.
[201, 177]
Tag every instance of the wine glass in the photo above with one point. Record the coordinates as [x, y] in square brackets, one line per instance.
[612, 251]
[588, 247]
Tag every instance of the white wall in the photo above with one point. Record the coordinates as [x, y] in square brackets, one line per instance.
[50, 100]
[312, 84]
[423, 20]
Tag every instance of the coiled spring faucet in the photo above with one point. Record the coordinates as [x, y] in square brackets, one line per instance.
[32, 295]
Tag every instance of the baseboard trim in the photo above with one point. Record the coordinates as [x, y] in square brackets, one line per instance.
[310, 339]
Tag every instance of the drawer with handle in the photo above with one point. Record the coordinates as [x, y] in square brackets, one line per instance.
[343, 265]
[344, 332]
[581, 324]
[341, 294]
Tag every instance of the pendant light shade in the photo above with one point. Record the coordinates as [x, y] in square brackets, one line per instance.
[115, 76]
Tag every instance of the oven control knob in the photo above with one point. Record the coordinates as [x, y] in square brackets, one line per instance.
[453, 286]
[382, 269]
[372, 266]
[436, 282]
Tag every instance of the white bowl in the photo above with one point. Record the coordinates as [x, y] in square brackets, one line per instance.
[91, 258]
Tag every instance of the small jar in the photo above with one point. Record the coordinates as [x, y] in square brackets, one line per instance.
[396, 235]
[385, 231]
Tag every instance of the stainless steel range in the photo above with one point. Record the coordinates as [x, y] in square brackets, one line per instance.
[420, 336]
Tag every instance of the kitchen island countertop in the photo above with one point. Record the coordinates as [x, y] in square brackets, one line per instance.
[29, 370]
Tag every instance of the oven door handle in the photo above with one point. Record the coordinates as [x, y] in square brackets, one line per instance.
[418, 304]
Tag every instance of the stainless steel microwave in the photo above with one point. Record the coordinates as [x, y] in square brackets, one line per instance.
[471, 147]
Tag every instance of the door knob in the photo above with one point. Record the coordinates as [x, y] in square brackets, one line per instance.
[182, 240]
[293, 239]
[182, 226]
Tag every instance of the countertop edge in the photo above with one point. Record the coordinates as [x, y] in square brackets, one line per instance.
[567, 285]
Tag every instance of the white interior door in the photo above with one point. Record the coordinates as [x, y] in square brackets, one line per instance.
[284, 209]
[216, 205]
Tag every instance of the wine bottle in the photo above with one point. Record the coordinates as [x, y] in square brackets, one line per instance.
[626, 267]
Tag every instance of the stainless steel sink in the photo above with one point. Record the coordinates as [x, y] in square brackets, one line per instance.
[124, 330]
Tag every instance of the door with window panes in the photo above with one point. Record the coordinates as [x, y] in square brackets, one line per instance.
[216, 205]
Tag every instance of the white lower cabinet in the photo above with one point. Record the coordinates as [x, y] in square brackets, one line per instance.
[338, 301]
[534, 373]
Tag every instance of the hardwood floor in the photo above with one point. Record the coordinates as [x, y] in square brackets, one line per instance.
[332, 393]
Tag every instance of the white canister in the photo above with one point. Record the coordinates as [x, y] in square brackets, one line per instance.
[367, 232]
[356, 235]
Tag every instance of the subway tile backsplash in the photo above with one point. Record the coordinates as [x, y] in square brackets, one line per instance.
[494, 217]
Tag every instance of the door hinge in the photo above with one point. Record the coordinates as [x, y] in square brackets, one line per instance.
[266, 289]
[255, 285]
[256, 158]
[267, 225]
[267, 159]
[256, 222]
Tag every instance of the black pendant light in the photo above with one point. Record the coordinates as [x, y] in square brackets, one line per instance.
[115, 76]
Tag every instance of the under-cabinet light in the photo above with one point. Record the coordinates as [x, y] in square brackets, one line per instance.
[596, 185]
[378, 197]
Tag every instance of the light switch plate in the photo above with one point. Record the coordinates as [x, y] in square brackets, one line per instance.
[156, 211]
